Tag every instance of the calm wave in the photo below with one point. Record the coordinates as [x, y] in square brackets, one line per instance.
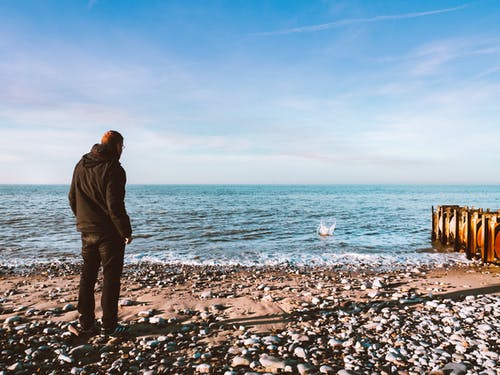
[250, 225]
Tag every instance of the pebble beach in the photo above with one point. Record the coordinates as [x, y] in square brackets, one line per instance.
[229, 320]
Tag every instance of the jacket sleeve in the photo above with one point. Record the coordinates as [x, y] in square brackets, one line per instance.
[115, 200]
[72, 194]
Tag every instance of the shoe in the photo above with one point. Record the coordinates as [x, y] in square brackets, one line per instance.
[79, 330]
[117, 331]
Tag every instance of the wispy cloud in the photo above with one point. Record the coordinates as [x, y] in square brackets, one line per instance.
[91, 3]
[353, 21]
[430, 58]
[488, 72]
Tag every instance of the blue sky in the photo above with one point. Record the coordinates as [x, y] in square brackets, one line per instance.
[253, 91]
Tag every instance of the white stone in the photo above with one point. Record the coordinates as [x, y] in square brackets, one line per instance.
[272, 363]
[64, 358]
[484, 327]
[145, 313]
[300, 352]
[392, 357]
[326, 369]
[335, 343]
[491, 355]
[377, 283]
[157, 320]
[203, 368]
[345, 372]
[205, 295]
[240, 361]
[251, 341]
[315, 301]
[299, 337]
[271, 340]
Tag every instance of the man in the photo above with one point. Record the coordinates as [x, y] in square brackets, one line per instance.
[96, 198]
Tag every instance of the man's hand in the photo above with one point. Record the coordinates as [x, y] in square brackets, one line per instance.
[128, 240]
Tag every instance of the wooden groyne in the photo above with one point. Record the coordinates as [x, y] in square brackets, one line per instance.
[474, 231]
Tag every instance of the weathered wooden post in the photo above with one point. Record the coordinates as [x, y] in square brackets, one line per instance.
[466, 228]
[457, 214]
[497, 238]
[472, 243]
[441, 225]
[434, 216]
[490, 243]
[474, 230]
[483, 236]
[447, 219]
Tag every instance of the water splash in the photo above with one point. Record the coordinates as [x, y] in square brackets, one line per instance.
[326, 229]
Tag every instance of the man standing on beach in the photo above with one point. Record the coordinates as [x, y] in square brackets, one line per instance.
[97, 198]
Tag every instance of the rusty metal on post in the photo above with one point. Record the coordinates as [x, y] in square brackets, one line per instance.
[474, 231]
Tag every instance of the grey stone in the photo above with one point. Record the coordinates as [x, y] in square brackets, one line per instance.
[454, 368]
[305, 368]
[81, 350]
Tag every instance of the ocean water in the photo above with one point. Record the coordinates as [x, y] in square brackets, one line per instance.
[245, 224]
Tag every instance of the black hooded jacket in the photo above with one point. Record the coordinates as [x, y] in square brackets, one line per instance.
[97, 193]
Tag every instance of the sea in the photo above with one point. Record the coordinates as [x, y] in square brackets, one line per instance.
[249, 225]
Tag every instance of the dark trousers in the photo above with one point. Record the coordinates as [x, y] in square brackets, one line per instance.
[108, 250]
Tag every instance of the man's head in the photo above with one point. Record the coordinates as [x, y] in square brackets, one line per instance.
[114, 141]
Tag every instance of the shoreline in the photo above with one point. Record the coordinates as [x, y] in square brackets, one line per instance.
[349, 261]
[242, 319]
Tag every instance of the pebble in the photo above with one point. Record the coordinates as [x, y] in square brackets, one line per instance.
[157, 320]
[377, 283]
[146, 313]
[64, 358]
[81, 350]
[326, 332]
[251, 341]
[455, 368]
[30, 312]
[206, 295]
[203, 368]
[335, 343]
[345, 372]
[15, 367]
[326, 369]
[300, 352]
[240, 361]
[13, 319]
[69, 307]
[126, 302]
[272, 363]
[305, 368]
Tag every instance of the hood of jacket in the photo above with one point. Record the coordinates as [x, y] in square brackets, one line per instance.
[98, 154]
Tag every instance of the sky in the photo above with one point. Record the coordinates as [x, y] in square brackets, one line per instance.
[253, 91]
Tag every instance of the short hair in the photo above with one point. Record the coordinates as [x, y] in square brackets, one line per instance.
[112, 137]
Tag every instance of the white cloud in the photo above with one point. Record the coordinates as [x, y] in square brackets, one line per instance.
[68, 115]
